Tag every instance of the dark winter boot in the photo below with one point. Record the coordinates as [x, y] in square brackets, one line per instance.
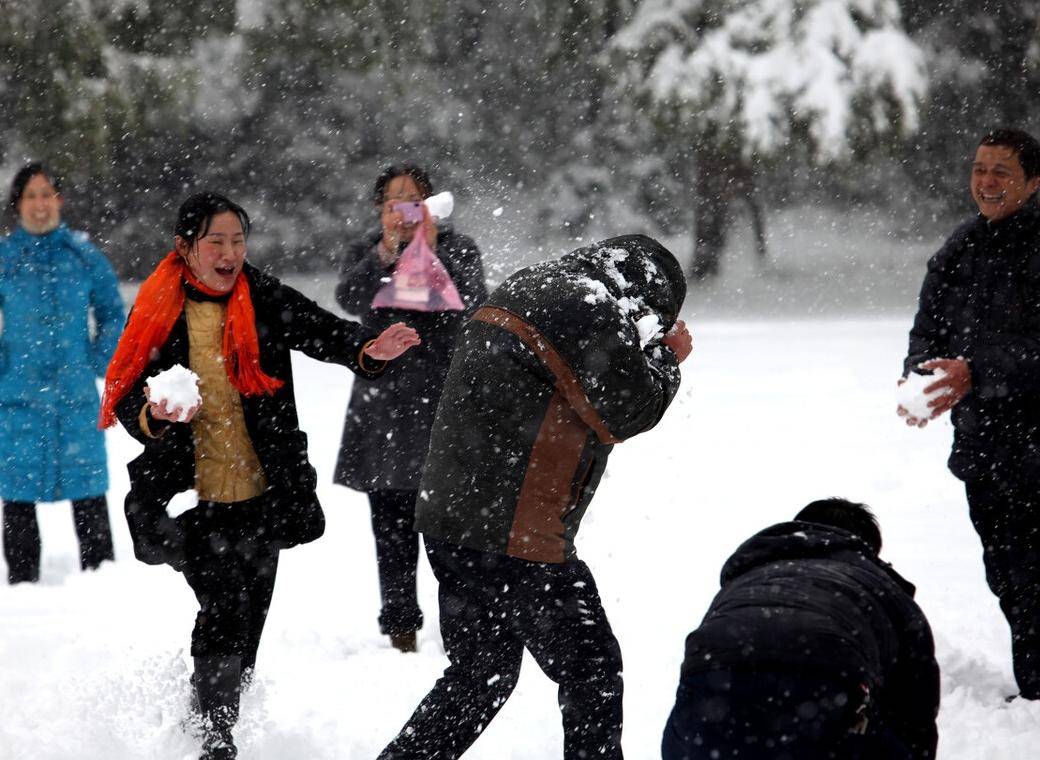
[90, 516]
[403, 642]
[218, 681]
[21, 542]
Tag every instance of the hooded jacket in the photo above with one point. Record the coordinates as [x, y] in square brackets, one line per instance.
[809, 598]
[562, 362]
[981, 301]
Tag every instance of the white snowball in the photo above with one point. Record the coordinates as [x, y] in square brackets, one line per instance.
[441, 205]
[911, 396]
[178, 386]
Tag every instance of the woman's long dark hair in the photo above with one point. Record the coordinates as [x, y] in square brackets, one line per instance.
[21, 179]
[417, 173]
[197, 212]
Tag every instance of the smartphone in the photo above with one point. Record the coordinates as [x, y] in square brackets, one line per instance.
[410, 211]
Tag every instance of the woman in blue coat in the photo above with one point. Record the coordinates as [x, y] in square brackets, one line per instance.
[51, 280]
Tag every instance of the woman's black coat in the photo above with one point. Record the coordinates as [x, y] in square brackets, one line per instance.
[285, 320]
[387, 430]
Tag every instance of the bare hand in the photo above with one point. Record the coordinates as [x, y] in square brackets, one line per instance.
[393, 233]
[679, 340]
[160, 410]
[955, 385]
[429, 226]
[392, 342]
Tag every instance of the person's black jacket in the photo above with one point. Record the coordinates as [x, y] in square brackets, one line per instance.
[981, 301]
[546, 377]
[285, 320]
[387, 429]
[807, 598]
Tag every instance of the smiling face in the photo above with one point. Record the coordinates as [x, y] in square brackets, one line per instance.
[998, 182]
[217, 257]
[39, 208]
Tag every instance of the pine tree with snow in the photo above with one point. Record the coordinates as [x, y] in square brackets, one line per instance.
[744, 82]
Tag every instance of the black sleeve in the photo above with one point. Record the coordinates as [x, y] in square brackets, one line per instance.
[321, 335]
[929, 337]
[361, 275]
[629, 385]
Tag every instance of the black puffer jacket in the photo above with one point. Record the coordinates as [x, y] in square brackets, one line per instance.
[981, 300]
[545, 379]
[285, 320]
[805, 597]
[388, 423]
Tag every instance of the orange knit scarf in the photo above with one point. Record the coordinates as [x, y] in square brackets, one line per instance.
[159, 303]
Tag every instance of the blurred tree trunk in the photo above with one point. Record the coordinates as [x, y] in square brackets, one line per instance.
[721, 179]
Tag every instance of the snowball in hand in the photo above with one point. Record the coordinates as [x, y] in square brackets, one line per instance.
[649, 328]
[911, 396]
[178, 386]
[441, 205]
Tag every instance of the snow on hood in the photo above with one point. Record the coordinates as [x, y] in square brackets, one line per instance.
[638, 268]
[639, 275]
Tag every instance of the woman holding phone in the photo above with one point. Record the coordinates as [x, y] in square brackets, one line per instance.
[241, 449]
[388, 424]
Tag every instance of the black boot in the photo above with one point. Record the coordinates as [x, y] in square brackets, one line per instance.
[90, 516]
[21, 542]
[218, 681]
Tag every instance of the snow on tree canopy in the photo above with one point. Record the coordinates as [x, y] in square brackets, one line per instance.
[757, 71]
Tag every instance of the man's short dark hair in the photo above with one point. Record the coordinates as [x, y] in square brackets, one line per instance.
[1024, 145]
[848, 515]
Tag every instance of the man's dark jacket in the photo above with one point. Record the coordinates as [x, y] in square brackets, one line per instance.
[812, 599]
[981, 301]
[546, 377]
[387, 430]
[285, 320]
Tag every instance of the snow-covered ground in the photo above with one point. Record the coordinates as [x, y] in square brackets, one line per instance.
[771, 414]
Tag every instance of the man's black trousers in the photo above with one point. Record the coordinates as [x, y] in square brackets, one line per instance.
[491, 608]
[231, 569]
[397, 556]
[22, 537]
[1006, 515]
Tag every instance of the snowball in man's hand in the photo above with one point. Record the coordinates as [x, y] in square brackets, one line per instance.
[178, 386]
[911, 396]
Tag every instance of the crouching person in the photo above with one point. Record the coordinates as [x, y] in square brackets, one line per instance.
[814, 648]
[241, 449]
[565, 359]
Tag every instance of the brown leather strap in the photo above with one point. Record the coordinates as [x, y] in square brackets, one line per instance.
[566, 381]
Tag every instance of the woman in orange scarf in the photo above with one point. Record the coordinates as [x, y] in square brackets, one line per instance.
[241, 449]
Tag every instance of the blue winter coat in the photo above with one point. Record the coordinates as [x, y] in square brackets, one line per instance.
[50, 447]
